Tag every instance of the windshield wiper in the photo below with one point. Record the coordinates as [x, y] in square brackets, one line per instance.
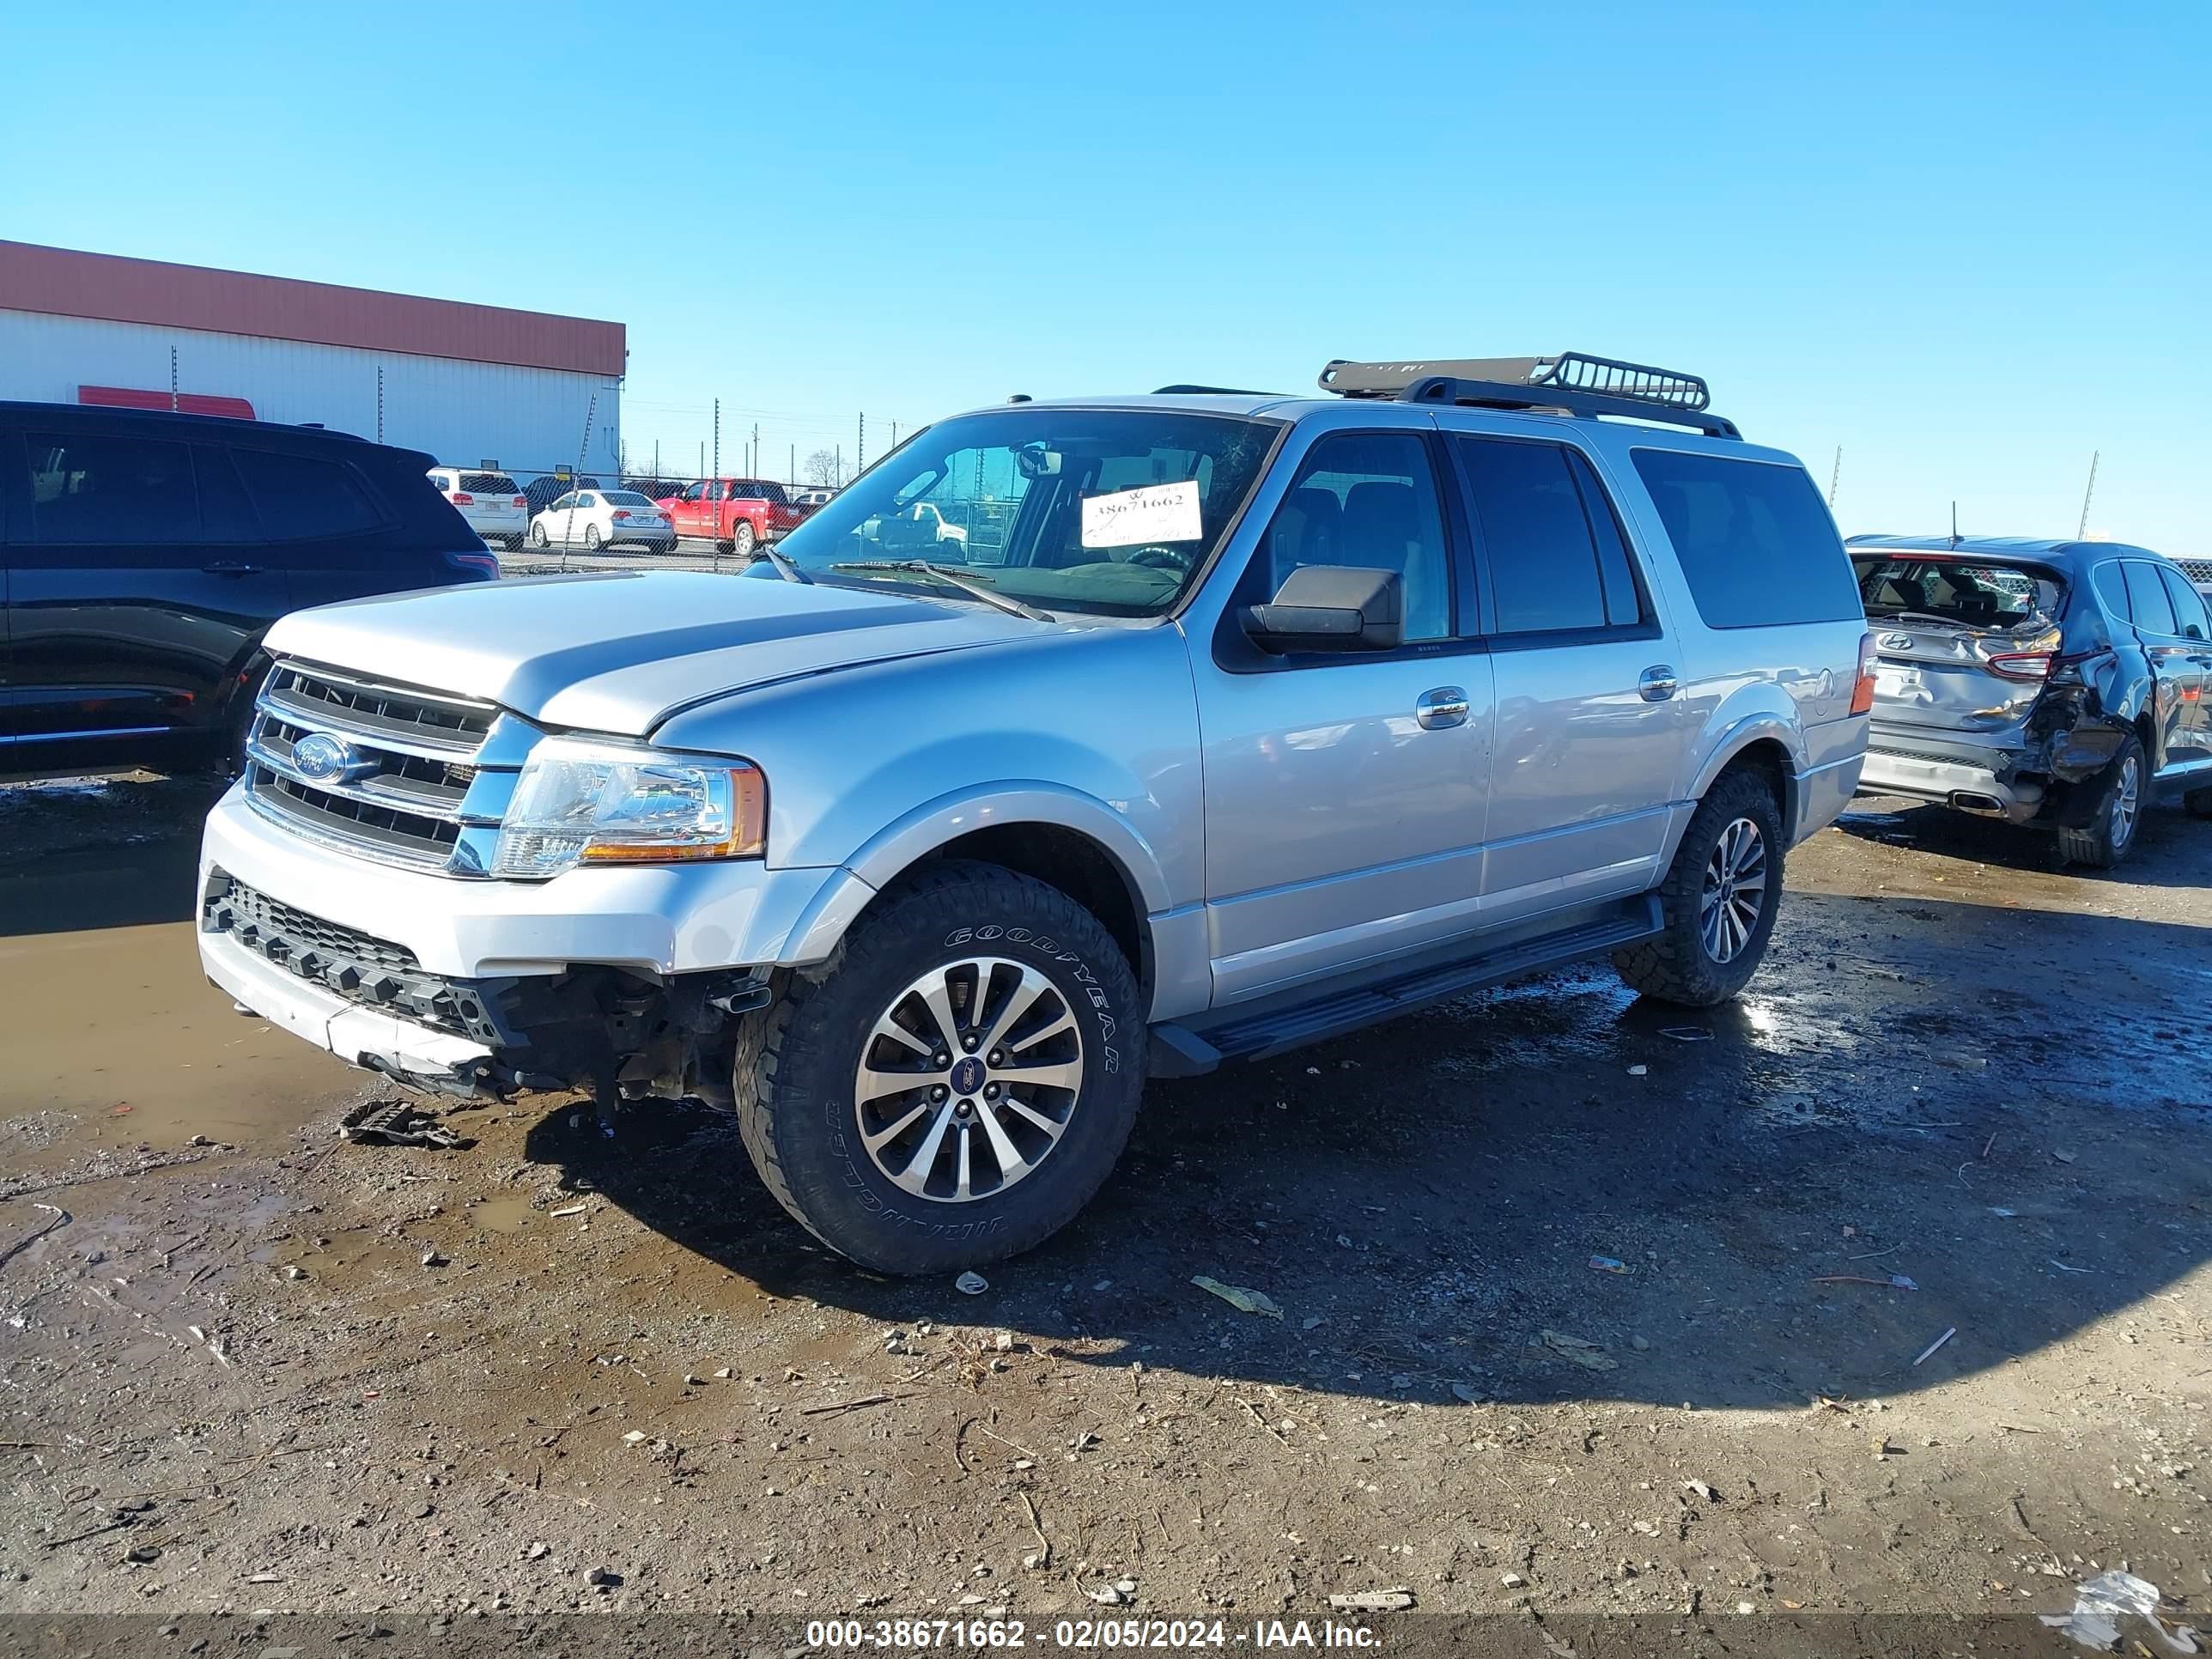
[973, 585]
[784, 567]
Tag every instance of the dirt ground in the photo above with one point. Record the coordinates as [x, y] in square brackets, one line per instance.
[248, 1367]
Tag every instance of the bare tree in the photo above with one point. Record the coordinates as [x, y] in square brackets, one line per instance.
[821, 468]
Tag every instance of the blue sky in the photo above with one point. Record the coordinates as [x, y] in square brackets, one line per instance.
[1969, 244]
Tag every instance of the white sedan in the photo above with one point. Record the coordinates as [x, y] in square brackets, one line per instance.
[602, 518]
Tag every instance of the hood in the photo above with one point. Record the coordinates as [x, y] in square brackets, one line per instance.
[620, 652]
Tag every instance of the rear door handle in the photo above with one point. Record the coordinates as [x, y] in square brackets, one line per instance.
[1657, 683]
[1445, 706]
[231, 568]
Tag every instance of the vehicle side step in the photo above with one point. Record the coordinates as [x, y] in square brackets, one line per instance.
[1180, 1051]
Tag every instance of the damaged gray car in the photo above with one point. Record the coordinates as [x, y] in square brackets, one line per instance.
[2060, 684]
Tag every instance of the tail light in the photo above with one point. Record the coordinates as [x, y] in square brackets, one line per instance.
[2021, 665]
[484, 565]
[522, 501]
[621, 514]
[1863, 689]
[462, 498]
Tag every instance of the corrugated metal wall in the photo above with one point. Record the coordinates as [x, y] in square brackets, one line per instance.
[525, 419]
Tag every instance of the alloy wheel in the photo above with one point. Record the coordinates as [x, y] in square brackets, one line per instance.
[1734, 890]
[2127, 802]
[968, 1080]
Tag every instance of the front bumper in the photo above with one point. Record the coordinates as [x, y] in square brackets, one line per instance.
[495, 962]
[656, 920]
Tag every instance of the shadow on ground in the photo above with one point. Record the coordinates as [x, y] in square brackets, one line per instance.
[2009, 1108]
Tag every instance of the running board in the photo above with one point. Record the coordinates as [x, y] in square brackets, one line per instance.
[1177, 1050]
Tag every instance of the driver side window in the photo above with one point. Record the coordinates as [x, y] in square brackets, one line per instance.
[1368, 499]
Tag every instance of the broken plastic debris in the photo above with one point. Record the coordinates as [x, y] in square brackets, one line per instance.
[1638, 1071]
[1610, 1264]
[1244, 1301]
[1590, 1356]
[2101, 1603]
[971, 1284]
[1686, 1033]
[397, 1123]
[1383, 1600]
[1895, 1281]
[1937, 1343]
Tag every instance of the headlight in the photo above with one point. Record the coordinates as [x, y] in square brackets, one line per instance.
[584, 802]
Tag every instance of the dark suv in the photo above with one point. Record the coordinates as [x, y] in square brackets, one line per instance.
[144, 555]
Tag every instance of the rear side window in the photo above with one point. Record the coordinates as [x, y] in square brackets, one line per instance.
[1757, 548]
[2188, 606]
[1557, 559]
[302, 498]
[2112, 589]
[2153, 611]
[110, 488]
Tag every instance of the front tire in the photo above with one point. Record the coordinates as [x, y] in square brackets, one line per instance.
[1718, 900]
[1020, 1100]
[2105, 841]
[538, 535]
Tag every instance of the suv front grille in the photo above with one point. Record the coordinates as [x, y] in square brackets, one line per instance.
[398, 773]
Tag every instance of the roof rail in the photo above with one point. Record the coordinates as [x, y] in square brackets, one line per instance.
[1573, 383]
[1180, 391]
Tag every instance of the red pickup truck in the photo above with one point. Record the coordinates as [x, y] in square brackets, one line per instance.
[736, 514]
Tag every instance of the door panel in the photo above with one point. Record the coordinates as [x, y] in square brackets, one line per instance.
[1591, 728]
[1584, 776]
[2189, 665]
[125, 616]
[1337, 828]
[1343, 793]
[2177, 676]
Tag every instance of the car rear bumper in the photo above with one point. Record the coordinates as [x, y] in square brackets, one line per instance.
[1989, 790]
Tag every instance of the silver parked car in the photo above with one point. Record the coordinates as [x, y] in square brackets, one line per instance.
[2056, 684]
[1254, 719]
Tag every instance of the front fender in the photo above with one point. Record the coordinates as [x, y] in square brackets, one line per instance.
[916, 834]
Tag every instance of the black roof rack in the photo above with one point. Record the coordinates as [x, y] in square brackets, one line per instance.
[1180, 391]
[1574, 383]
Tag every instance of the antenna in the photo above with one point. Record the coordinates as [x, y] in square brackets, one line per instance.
[2086, 493]
[1954, 523]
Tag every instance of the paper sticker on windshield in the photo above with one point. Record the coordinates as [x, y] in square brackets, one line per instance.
[1155, 512]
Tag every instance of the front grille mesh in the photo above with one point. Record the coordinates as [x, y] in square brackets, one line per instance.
[406, 784]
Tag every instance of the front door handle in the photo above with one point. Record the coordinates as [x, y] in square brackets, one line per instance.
[1445, 706]
[1657, 683]
[231, 568]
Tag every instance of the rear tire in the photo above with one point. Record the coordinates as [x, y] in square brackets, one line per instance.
[741, 540]
[592, 538]
[823, 1077]
[2105, 841]
[1716, 920]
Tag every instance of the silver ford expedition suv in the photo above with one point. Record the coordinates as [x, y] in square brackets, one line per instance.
[1231, 722]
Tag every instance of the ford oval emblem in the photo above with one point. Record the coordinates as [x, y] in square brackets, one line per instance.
[321, 758]
[1897, 641]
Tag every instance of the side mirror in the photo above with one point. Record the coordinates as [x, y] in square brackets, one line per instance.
[1331, 607]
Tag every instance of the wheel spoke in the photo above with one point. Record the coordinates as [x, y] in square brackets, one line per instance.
[1012, 1166]
[883, 1138]
[916, 1177]
[888, 1027]
[1065, 1023]
[1024, 997]
[1043, 1073]
[1022, 1109]
[964, 1188]
[873, 1082]
[936, 997]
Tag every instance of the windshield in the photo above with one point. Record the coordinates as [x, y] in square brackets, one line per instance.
[1972, 593]
[1104, 512]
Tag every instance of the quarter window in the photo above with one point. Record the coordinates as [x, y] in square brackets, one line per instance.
[2112, 589]
[1369, 499]
[1756, 542]
[301, 498]
[2153, 611]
